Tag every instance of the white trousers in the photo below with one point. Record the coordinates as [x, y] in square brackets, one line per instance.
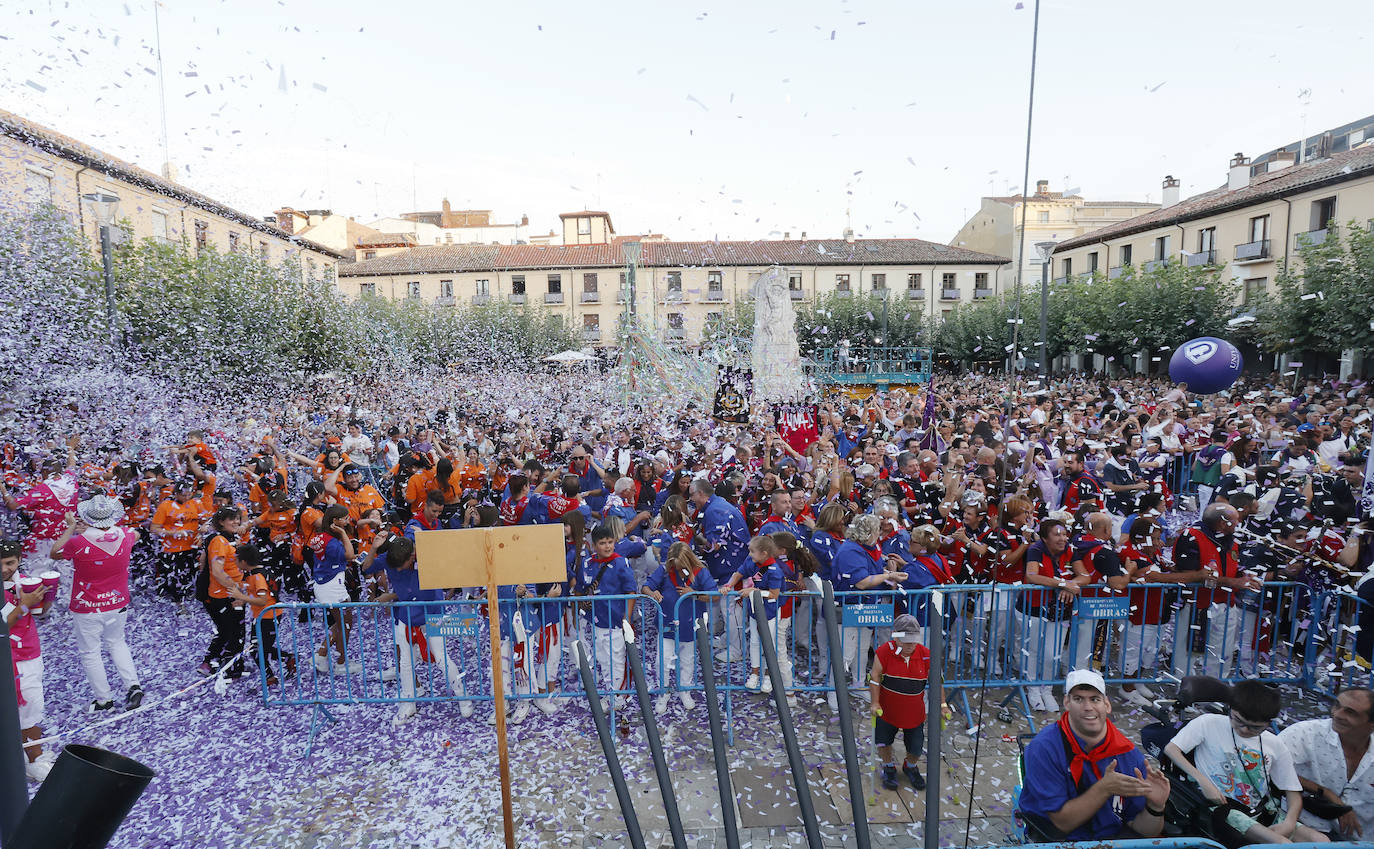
[104, 632]
[778, 629]
[1140, 649]
[856, 644]
[677, 664]
[1223, 638]
[410, 654]
[1042, 647]
[608, 648]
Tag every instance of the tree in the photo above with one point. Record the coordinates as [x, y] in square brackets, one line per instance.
[1322, 301]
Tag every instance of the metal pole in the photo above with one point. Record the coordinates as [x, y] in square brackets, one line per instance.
[789, 731]
[630, 305]
[851, 749]
[107, 259]
[935, 617]
[14, 788]
[1044, 322]
[708, 680]
[665, 780]
[603, 731]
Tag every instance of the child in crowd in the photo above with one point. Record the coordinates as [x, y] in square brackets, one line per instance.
[766, 576]
[681, 573]
[28, 658]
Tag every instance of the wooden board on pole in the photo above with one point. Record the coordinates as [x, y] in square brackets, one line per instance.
[490, 557]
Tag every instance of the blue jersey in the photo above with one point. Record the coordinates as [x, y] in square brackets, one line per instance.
[1049, 785]
[852, 564]
[405, 583]
[508, 604]
[722, 525]
[824, 546]
[331, 564]
[775, 524]
[691, 610]
[767, 577]
[617, 578]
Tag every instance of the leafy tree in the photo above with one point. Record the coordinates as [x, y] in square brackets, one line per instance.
[1322, 301]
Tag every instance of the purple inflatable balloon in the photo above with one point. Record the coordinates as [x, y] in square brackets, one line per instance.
[1207, 364]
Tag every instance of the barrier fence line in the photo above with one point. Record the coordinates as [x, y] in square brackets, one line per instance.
[1020, 637]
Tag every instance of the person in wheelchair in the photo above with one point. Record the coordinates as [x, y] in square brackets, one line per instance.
[1238, 763]
[1084, 779]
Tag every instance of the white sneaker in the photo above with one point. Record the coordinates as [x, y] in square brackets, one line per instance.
[547, 705]
[832, 701]
[1048, 701]
[1033, 696]
[321, 664]
[1138, 698]
[1146, 692]
[725, 657]
[766, 684]
[465, 709]
[388, 674]
[522, 710]
[687, 701]
[661, 704]
[403, 714]
[752, 683]
[491, 720]
[39, 769]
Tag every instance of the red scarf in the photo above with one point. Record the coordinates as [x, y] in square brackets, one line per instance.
[1115, 743]
[876, 552]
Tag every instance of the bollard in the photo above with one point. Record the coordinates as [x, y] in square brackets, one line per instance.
[665, 780]
[708, 679]
[851, 749]
[82, 801]
[603, 730]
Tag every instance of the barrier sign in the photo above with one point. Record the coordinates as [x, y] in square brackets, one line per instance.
[452, 625]
[867, 615]
[1104, 608]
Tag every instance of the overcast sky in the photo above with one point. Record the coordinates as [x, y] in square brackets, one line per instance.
[733, 120]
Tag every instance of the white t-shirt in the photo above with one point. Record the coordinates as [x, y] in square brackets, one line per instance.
[1317, 756]
[1233, 762]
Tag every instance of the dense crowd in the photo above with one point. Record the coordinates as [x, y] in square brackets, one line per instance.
[1081, 485]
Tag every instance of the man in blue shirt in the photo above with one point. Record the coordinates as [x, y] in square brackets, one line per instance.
[726, 536]
[1084, 780]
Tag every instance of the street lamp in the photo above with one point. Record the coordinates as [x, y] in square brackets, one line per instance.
[104, 207]
[1046, 250]
[633, 251]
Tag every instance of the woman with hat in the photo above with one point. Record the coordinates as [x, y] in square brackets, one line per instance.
[99, 550]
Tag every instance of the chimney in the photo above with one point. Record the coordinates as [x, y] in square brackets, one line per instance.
[849, 235]
[1239, 176]
[524, 221]
[1170, 190]
[169, 171]
[1282, 159]
[286, 219]
[1042, 187]
[803, 235]
[787, 234]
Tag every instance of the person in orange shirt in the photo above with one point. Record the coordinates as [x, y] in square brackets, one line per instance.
[262, 593]
[473, 474]
[275, 527]
[176, 525]
[348, 489]
[220, 588]
[419, 485]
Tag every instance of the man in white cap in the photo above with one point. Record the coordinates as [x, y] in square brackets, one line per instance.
[99, 550]
[1084, 780]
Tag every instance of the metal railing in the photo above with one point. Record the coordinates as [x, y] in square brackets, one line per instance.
[1252, 251]
[1207, 257]
[553, 297]
[1310, 238]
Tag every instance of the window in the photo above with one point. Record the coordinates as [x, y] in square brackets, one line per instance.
[367, 290]
[584, 226]
[1255, 287]
[1043, 216]
[842, 282]
[1162, 247]
[712, 318]
[591, 321]
[413, 289]
[1126, 254]
[980, 280]
[38, 186]
[589, 282]
[675, 281]
[675, 321]
[233, 243]
[794, 281]
[517, 284]
[369, 254]
[264, 252]
[202, 234]
[947, 280]
[484, 286]
[1323, 213]
[624, 279]
[448, 238]
[446, 288]
[1068, 267]
[1259, 228]
[879, 282]
[159, 225]
[1206, 240]
[555, 284]
[1092, 262]
[311, 268]
[913, 282]
[715, 280]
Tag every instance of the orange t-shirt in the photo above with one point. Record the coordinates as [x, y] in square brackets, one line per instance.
[261, 592]
[310, 522]
[473, 476]
[418, 487]
[279, 524]
[219, 547]
[180, 524]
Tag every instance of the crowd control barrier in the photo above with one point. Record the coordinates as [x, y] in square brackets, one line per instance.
[997, 636]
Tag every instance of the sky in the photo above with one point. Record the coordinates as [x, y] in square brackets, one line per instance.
[738, 120]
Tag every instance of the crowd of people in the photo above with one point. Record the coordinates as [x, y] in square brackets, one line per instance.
[1079, 486]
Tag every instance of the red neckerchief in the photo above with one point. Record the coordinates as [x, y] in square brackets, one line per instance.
[935, 565]
[876, 553]
[772, 518]
[672, 578]
[596, 559]
[1115, 743]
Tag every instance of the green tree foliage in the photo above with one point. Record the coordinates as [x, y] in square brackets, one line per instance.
[1323, 302]
[859, 319]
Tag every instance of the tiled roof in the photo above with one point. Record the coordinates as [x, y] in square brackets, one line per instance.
[1339, 168]
[83, 154]
[387, 240]
[460, 258]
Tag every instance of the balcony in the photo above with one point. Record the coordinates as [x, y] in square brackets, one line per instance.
[1253, 251]
[1152, 264]
[1310, 238]
[715, 296]
[444, 301]
[1115, 271]
[591, 334]
[516, 297]
[1207, 257]
[949, 294]
[1060, 281]
[677, 333]
[796, 294]
[481, 299]
[673, 296]
[915, 294]
[553, 297]
[979, 294]
[591, 297]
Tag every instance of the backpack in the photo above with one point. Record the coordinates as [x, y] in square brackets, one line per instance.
[202, 587]
[1207, 465]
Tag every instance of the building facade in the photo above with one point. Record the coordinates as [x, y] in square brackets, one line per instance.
[41, 166]
[1045, 216]
[449, 226]
[679, 286]
[1248, 227]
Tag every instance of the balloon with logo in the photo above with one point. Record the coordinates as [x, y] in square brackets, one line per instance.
[1207, 364]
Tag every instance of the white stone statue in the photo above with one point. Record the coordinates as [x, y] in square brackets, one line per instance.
[778, 372]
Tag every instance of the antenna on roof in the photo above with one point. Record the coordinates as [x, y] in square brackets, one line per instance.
[162, 95]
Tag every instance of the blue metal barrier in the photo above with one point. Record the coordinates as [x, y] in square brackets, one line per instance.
[1156, 843]
[1335, 658]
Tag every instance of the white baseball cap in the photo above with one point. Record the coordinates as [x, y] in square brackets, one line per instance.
[1084, 677]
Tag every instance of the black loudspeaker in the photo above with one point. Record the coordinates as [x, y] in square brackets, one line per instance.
[82, 801]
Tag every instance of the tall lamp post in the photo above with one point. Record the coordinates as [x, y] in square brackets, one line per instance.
[1046, 250]
[633, 251]
[104, 208]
